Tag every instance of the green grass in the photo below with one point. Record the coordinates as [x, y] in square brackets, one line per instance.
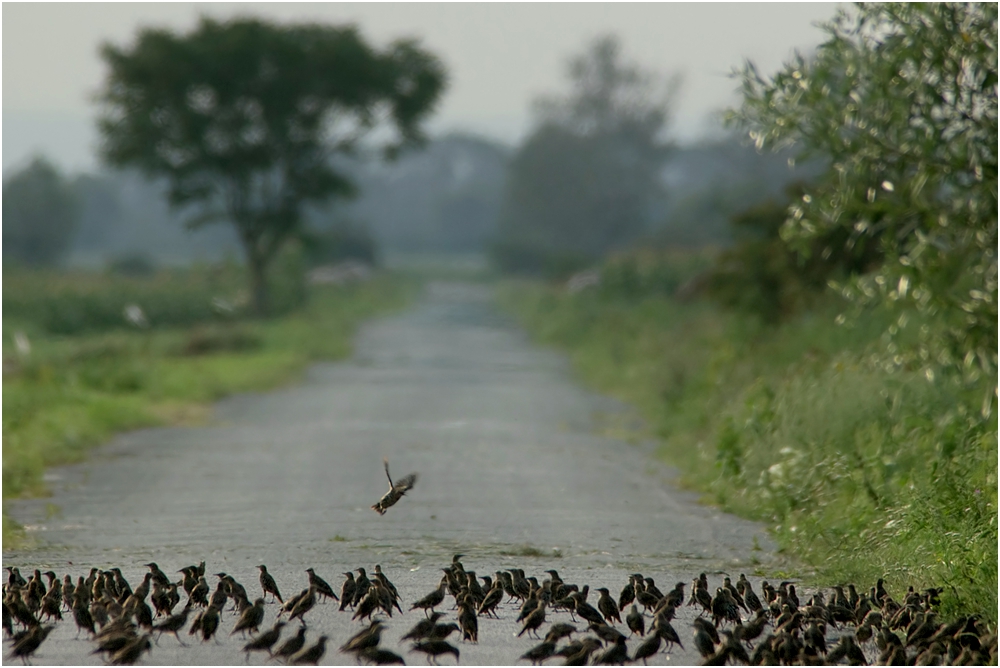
[71, 393]
[862, 468]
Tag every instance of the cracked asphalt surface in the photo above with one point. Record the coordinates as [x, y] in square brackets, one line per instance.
[514, 472]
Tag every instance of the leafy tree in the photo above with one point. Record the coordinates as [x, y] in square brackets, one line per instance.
[40, 213]
[585, 181]
[902, 100]
[244, 119]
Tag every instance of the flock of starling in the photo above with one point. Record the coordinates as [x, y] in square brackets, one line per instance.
[575, 626]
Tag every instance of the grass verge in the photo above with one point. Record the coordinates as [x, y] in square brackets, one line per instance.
[70, 393]
[862, 468]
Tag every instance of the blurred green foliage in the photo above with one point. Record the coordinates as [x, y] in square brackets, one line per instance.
[40, 213]
[902, 100]
[862, 469]
[76, 302]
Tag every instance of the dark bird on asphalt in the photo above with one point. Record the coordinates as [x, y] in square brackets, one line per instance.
[82, 617]
[396, 489]
[606, 633]
[209, 622]
[131, 652]
[380, 657]
[635, 621]
[533, 621]
[304, 605]
[560, 630]
[115, 642]
[435, 648]
[30, 642]
[703, 642]
[268, 584]
[361, 585]
[347, 591]
[539, 653]
[200, 592]
[265, 641]
[433, 599]
[607, 606]
[585, 610]
[365, 638]
[8, 622]
[311, 655]
[614, 656]
[423, 628]
[648, 648]
[292, 601]
[291, 646]
[627, 595]
[468, 622]
[490, 602]
[174, 623]
[322, 586]
[251, 618]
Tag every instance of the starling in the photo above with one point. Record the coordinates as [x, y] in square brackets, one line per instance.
[209, 622]
[534, 620]
[199, 594]
[251, 618]
[114, 642]
[614, 656]
[30, 642]
[304, 605]
[587, 611]
[322, 587]
[491, 601]
[560, 630]
[84, 620]
[648, 648]
[292, 645]
[364, 639]
[369, 604]
[8, 622]
[468, 622]
[361, 585]
[347, 591]
[131, 652]
[380, 657]
[290, 604]
[627, 595]
[396, 490]
[703, 642]
[442, 631]
[606, 633]
[435, 648]
[607, 606]
[175, 623]
[539, 653]
[220, 595]
[265, 641]
[635, 621]
[423, 628]
[188, 580]
[268, 584]
[311, 655]
[433, 599]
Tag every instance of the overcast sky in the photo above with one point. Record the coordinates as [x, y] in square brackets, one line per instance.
[499, 56]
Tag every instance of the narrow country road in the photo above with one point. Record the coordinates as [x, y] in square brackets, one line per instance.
[513, 472]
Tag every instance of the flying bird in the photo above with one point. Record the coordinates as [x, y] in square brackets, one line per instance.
[396, 489]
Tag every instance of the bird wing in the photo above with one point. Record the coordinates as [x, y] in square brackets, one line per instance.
[405, 483]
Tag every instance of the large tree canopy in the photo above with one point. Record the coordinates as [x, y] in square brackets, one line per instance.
[587, 179]
[244, 117]
[902, 100]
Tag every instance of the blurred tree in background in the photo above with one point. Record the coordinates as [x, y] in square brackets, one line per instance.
[244, 117]
[40, 212]
[586, 180]
[902, 99]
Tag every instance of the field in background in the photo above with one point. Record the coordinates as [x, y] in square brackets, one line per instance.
[76, 370]
[863, 469]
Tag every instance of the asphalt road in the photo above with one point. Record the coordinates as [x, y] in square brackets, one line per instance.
[514, 472]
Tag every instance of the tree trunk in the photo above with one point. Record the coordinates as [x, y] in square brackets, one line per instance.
[258, 282]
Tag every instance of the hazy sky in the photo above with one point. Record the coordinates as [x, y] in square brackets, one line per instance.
[499, 56]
